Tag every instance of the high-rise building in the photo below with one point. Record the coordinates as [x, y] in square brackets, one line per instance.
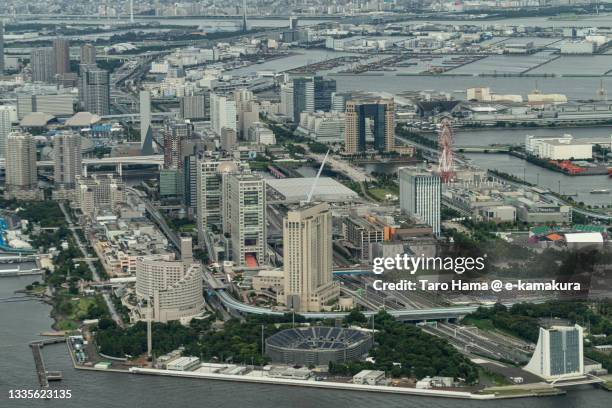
[307, 257]
[174, 287]
[247, 111]
[420, 195]
[42, 62]
[88, 54]
[195, 106]
[67, 159]
[61, 49]
[96, 90]
[209, 192]
[99, 192]
[286, 100]
[323, 90]
[145, 116]
[5, 128]
[190, 185]
[175, 134]
[558, 354]
[222, 113]
[244, 201]
[1, 47]
[303, 97]
[338, 102]
[228, 139]
[21, 173]
[381, 112]
[293, 23]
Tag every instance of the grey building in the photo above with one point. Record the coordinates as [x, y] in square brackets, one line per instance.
[67, 159]
[1, 47]
[61, 49]
[303, 97]
[195, 106]
[88, 54]
[420, 194]
[42, 62]
[96, 90]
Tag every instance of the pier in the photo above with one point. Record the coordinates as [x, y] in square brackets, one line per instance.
[43, 375]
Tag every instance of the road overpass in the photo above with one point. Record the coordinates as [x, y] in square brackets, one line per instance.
[452, 312]
[118, 162]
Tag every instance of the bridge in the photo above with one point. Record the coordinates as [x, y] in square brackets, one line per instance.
[452, 312]
[118, 162]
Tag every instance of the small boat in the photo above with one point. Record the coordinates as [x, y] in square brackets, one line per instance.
[600, 191]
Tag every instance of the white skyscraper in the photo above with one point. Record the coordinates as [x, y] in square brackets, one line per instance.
[244, 201]
[558, 354]
[307, 256]
[286, 95]
[420, 194]
[67, 159]
[145, 116]
[222, 113]
[21, 173]
[5, 128]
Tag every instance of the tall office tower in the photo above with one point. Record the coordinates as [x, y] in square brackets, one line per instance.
[222, 113]
[286, 102]
[5, 128]
[228, 139]
[96, 88]
[195, 106]
[61, 49]
[558, 354]
[247, 111]
[420, 195]
[83, 68]
[175, 134]
[303, 97]
[88, 54]
[190, 192]
[210, 178]
[145, 117]
[381, 112]
[42, 61]
[246, 210]
[247, 116]
[174, 287]
[307, 256]
[1, 47]
[21, 175]
[67, 159]
[323, 90]
[293, 22]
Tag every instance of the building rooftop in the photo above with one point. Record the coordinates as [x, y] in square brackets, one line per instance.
[297, 189]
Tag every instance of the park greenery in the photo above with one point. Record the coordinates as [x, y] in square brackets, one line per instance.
[400, 349]
[523, 319]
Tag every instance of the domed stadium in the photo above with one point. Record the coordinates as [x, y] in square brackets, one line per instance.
[317, 345]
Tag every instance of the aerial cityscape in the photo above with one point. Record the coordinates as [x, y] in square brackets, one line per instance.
[273, 203]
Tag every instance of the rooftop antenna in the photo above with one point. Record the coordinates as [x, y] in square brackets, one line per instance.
[314, 184]
[602, 93]
[244, 17]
